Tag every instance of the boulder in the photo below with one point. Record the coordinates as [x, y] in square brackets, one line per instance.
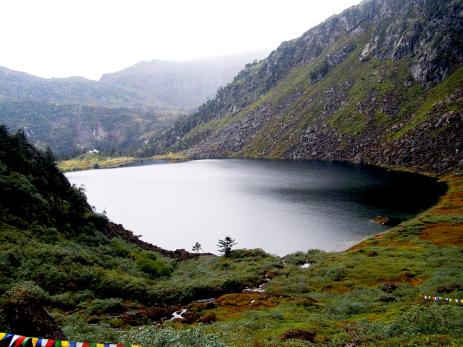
[22, 313]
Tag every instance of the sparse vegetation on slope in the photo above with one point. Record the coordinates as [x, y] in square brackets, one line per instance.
[381, 83]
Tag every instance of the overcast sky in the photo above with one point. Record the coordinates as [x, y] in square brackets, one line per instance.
[60, 38]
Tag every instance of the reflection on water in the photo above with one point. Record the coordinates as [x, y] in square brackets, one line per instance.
[280, 206]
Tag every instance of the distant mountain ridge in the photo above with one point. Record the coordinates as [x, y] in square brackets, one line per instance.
[118, 113]
[381, 83]
[15, 85]
[180, 84]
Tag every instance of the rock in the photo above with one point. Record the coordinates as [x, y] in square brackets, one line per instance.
[380, 220]
[388, 287]
[208, 318]
[22, 313]
[299, 334]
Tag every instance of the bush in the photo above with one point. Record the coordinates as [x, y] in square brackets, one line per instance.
[25, 291]
[432, 319]
[100, 306]
[248, 253]
[336, 273]
[150, 264]
[155, 337]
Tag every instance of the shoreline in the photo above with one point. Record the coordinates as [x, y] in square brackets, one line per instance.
[441, 178]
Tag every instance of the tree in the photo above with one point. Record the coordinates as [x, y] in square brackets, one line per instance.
[226, 245]
[225, 265]
[196, 248]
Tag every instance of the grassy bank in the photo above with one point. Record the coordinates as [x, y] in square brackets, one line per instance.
[367, 295]
[90, 161]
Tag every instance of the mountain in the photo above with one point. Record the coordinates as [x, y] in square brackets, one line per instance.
[70, 129]
[73, 115]
[15, 85]
[180, 84]
[115, 115]
[381, 83]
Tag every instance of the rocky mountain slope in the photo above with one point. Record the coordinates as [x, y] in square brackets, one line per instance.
[180, 84]
[380, 83]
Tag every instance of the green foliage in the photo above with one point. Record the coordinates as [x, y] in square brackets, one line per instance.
[226, 245]
[51, 237]
[99, 306]
[114, 131]
[248, 253]
[175, 338]
[151, 264]
[428, 320]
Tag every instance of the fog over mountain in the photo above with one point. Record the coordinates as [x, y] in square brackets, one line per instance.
[180, 84]
[115, 114]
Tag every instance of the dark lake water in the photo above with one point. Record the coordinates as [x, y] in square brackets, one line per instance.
[280, 206]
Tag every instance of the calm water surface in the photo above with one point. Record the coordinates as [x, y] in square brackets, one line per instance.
[280, 206]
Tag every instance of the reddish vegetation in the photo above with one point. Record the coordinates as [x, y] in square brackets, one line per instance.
[239, 302]
[444, 234]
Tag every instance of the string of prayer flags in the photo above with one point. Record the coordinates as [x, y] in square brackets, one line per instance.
[441, 299]
[12, 340]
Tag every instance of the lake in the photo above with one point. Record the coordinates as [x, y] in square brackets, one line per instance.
[280, 206]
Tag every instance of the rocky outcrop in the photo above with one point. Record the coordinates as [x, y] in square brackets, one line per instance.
[22, 313]
[435, 145]
[427, 30]
[380, 84]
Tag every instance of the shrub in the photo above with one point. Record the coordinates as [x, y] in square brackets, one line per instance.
[150, 264]
[155, 337]
[248, 253]
[99, 306]
[432, 319]
[336, 273]
[25, 290]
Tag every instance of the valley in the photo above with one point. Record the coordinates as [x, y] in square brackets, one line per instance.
[312, 196]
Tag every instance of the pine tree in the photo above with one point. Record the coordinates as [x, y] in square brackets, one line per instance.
[196, 248]
[226, 245]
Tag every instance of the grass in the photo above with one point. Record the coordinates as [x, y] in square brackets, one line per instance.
[90, 161]
[367, 295]
[170, 157]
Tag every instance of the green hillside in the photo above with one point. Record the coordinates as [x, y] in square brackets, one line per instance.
[73, 129]
[381, 83]
[103, 284]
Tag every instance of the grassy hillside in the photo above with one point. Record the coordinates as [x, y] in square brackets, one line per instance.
[101, 285]
[368, 295]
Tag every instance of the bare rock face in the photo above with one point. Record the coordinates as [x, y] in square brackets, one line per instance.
[23, 314]
[425, 30]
